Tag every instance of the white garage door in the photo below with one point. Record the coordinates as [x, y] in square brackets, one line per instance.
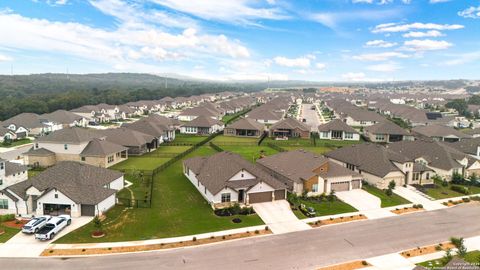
[340, 186]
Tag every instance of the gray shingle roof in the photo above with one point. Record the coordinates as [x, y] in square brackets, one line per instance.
[215, 171]
[386, 127]
[247, 123]
[26, 120]
[148, 126]
[203, 121]
[467, 146]
[200, 111]
[74, 135]
[439, 131]
[336, 124]
[82, 183]
[40, 152]
[290, 123]
[101, 148]
[126, 137]
[61, 116]
[13, 168]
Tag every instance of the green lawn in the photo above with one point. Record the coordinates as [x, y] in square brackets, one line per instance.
[140, 163]
[387, 201]
[140, 188]
[9, 233]
[325, 208]
[318, 150]
[15, 143]
[250, 153]
[34, 172]
[187, 139]
[220, 139]
[441, 192]
[471, 257]
[177, 209]
[167, 151]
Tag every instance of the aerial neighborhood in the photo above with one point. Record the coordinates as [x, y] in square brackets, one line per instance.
[235, 158]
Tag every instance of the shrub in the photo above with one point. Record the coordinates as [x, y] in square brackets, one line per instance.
[389, 192]
[194, 239]
[466, 199]
[364, 263]
[257, 231]
[236, 220]
[7, 217]
[266, 228]
[460, 189]
[445, 203]
[457, 178]
[475, 198]
[438, 248]
[224, 237]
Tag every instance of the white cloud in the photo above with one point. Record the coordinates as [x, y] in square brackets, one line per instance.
[380, 56]
[426, 45]
[464, 58]
[431, 33]
[380, 44]
[301, 62]
[4, 58]
[334, 19]
[362, 1]
[61, 2]
[354, 76]
[439, 1]
[471, 12]
[320, 65]
[238, 11]
[393, 27]
[386, 67]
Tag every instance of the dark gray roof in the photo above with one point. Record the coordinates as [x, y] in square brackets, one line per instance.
[61, 117]
[247, 123]
[126, 137]
[148, 126]
[73, 135]
[386, 127]
[101, 148]
[26, 120]
[40, 152]
[299, 165]
[439, 131]
[419, 167]
[82, 183]
[437, 154]
[265, 113]
[469, 146]
[9, 195]
[371, 158]
[215, 171]
[13, 168]
[203, 121]
[4, 131]
[290, 123]
[336, 124]
[200, 111]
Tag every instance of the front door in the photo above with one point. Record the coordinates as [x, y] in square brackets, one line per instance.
[241, 195]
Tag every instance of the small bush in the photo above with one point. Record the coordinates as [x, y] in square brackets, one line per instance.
[466, 200]
[364, 263]
[475, 198]
[194, 239]
[7, 217]
[266, 228]
[460, 189]
[224, 237]
[83, 250]
[257, 231]
[438, 248]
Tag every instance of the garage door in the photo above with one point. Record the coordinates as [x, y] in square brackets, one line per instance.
[280, 194]
[260, 197]
[88, 210]
[340, 186]
[356, 184]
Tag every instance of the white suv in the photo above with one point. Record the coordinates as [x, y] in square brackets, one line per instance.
[35, 224]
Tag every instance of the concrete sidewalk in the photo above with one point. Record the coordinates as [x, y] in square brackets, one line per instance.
[279, 217]
[411, 194]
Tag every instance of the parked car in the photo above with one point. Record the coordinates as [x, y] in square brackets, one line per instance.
[35, 224]
[308, 211]
[53, 227]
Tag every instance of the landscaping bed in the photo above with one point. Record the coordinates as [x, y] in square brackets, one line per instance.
[442, 190]
[405, 210]
[112, 250]
[322, 206]
[451, 203]
[387, 201]
[347, 266]
[337, 220]
[472, 257]
[419, 251]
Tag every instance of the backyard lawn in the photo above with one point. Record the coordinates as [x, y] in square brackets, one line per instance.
[187, 139]
[15, 143]
[387, 201]
[472, 257]
[140, 163]
[313, 149]
[250, 153]
[441, 192]
[9, 233]
[221, 139]
[325, 208]
[321, 146]
[177, 209]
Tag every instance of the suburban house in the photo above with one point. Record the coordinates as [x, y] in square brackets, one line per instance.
[227, 178]
[441, 158]
[289, 128]
[202, 125]
[138, 143]
[353, 115]
[338, 130]
[440, 133]
[30, 124]
[75, 144]
[6, 134]
[69, 187]
[191, 113]
[475, 132]
[92, 113]
[386, 132]
[265, 115]
[303, 171]
[378, 165]
[153, 126]
[245, 127]
[11, 173]
[66, 119]
[470, 147]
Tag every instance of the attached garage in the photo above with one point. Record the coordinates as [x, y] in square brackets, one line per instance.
[88, 210]
[356, 184]
[340, 186]
[259, 197]
[279, 194]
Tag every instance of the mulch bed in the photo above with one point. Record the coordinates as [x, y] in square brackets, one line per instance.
[405, 210]
[337, 220]
[193, 242]
[347, 266]
[13, 223]
[419, 251]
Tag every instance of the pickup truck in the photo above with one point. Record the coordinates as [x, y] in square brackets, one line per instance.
[53, 227]
[35, 224]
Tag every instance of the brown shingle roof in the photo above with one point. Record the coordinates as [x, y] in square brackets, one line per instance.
[74, 135]
[290, 123]
[439, 131]
[126, 137]
[101, 148]
[386, 127]
[336, 124]
[247, 123]
[203, 121]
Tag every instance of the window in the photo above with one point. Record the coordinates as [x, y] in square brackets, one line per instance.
[225, 197]
[2, 166]
[351, 167]
[1, 182]
[315, 188]
[3, 204]
[379, 137]
[348, 135]
[56, 196]
[65, 146]
[110, 159]
[36, 145]
[428, 176]
[83, 158]
[325, 134]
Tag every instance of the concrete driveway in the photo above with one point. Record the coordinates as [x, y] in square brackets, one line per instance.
[366, 203]
[412, 194]
[278, 216]
[310, 116]
[25, 245]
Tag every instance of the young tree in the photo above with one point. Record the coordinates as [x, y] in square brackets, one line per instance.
[97, 224]
[457, 178]
[448, 256]
[459, 243]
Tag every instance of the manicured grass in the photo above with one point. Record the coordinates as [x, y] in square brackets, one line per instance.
[292, 142]
[177, 209]
[188, 139]
[167, 151]
[441, 192]
[15, 143]
[140, 188]
[472, 257]
[32, 173]
[387, 201]
[325, 208]
[250, 153]
[9, 233]
[318, 150]
[140, 163]
[220, 139]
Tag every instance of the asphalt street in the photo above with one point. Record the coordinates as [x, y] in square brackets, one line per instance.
[310, 116]
[299, 250]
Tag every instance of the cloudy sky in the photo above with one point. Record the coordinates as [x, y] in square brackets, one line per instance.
[318, 40]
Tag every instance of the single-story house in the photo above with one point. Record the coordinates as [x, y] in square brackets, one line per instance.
[69, 187]
[138, 143]
[202, 125]
[226, 178]
[11, 173]
[386, 132]
[153, 127]
[338, 130]
[6, 134]
[245, 127]
[440, 133]
[190, 114]
[305, 171]
[289, 128]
